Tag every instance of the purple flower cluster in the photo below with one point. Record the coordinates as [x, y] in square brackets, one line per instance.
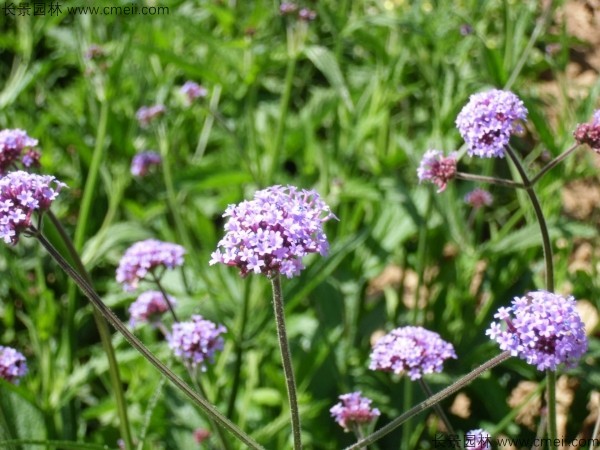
[272, 233]
[589, 133]
[12, 145]
[21, 194]
[353, 409]
[197, 340]
[546, 330]
[147, 114]
[478, 198]
[12, 364]
[412, 350]
[488, 120]
[478, 440]
[192, 91]
[144, 257]
[149, 308]
[142, 163]
[437, 168]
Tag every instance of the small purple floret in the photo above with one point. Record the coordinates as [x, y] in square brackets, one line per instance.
[149, 308]
[12, 145]
[143, 162]
[22, 194]
[478, 440]
[12, 364]
[478, 198]
[144, 257]
[488, 120]
[196, 341]
[353, 409]
[147, 114]
[192, 91]
[411, 350]
[272, 233]
[543, 329]
[437, 168]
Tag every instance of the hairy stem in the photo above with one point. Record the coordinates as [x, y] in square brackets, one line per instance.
[434, 399]
[95, 299]
[286, 359]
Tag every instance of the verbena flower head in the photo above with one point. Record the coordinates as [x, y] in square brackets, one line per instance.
[149, 308]
[488, 120]
[271, 233]
[478, 198]
[22, 194]
[147, 114]
[353, 409]
[411, 350]
[589, 133]
[193, 90]
[145, 257]
[143, 162]
[12, 145]
[437, 168]
[478, 440]
[287, 8]
[12, 364]
[196, 341]
[542, 328]
[307, 15]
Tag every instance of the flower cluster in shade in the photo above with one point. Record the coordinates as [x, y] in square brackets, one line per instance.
[478, 198]
[149, 308]
[143, 162]
[541, 328]
[488, 120]
[147, 114]
[437, 168]
[196, 341]
[273, 232]
[411, 350]
[22, 194]
[589, 133]
[353, 409]
[145, 257]
[16, 146]
[13, 365]
[478, 440]
[192, 90]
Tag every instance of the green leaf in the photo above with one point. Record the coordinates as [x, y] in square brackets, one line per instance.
[19, 418]
[325, 61]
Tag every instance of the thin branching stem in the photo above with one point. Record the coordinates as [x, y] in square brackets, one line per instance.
[490, 180]
[95, 299]
[553, 163]
[428, 403]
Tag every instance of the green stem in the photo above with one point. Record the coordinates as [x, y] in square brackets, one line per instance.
[428, 403]
[551, 381]
[407, 403]
[438, 409]
[549, 275]
[547, 246]
[286, 359]
[421, 255]
[283, 110]
[239, 350]
[165, 296]
[91, 294]
[553, 163]
[542, 22]
[490, 180]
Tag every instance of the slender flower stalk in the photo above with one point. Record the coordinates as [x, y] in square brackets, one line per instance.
[286, 358]
[428, 403]
[438, 409]
[560, 158]
[166, 297]
[490, 180]
[140, 347]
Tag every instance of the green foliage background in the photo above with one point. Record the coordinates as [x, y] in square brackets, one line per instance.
[346, 105]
